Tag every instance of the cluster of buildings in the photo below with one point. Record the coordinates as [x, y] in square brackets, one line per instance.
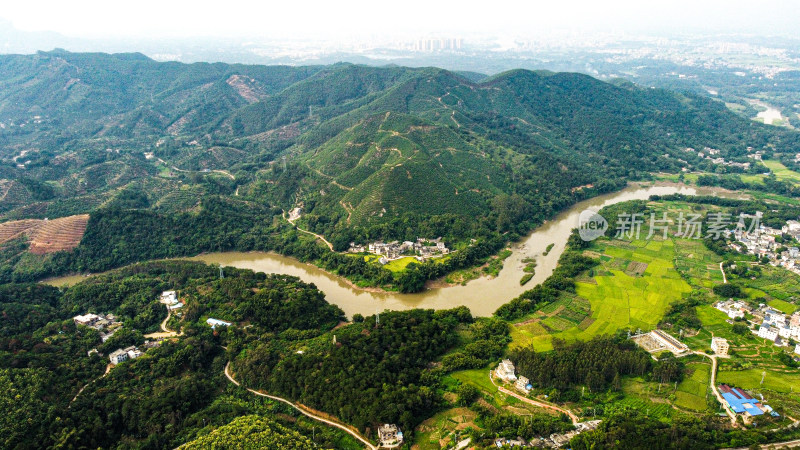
[735, 309]
[740, 402]
[712, 154]
[761, 242]
[657, 341]
[773, 325]
[390, 436]
[106, 324]
[124, 354]
[555, 440]
[423, 248]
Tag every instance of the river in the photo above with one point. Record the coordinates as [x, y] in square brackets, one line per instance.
[483, 296]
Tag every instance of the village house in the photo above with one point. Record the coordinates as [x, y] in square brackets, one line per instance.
[523, 384]
[506, 371]
[124, 354]
[719, 346]
[106, 324]
[797, 349]
[768, 332]
[733, 309]
[390, 436]
[518, 442]
[169, 297]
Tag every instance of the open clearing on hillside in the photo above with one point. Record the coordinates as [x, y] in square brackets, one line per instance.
[781, 172]
[616, 299]
[47, 236]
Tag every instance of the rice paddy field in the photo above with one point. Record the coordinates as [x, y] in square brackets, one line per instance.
[632, 288]
[694, 390]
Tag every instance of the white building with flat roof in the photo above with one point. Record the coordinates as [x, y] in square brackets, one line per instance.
[506, 371]
[217, 323]
[768, 332]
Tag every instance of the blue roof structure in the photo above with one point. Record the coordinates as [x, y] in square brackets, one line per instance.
[739, 402]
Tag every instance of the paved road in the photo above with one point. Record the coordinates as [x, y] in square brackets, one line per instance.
[714, 389]
[165, 332]
[303, 411]
[724, 278]
[571, 415]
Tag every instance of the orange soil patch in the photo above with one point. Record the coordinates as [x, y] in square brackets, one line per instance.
[47, 236]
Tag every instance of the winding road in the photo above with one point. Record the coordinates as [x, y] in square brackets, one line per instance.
[165, 332]
[724, 278]
[303, 411]
[318, 236]
[108, 369]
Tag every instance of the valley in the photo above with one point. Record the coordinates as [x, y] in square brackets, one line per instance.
[482, 296]
[387, 256]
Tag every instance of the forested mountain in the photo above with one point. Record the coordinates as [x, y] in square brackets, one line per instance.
[369, 153]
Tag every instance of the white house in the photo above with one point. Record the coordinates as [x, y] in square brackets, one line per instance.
[175, 306]
[117, 356]
[124, 354]
[523, 384]
[775, 318]
[169, 297]
[797, 349]
[505, 370]
[768, 332]
[216, 323]
[86, 319]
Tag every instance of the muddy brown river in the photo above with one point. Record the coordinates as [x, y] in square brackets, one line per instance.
[483, 295]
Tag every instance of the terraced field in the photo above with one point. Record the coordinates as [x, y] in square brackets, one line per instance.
[13, 229]
[47, 236]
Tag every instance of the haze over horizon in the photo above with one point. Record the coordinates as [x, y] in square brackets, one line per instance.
[360, 19]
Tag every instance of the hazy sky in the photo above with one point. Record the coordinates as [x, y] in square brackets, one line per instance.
[344, 18]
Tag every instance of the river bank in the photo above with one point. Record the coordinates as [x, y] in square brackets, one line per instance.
[482, 296]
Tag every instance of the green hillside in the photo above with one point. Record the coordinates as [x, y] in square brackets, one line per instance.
[368, 152]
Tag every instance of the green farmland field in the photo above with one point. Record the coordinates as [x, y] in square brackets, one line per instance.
[617, 298]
